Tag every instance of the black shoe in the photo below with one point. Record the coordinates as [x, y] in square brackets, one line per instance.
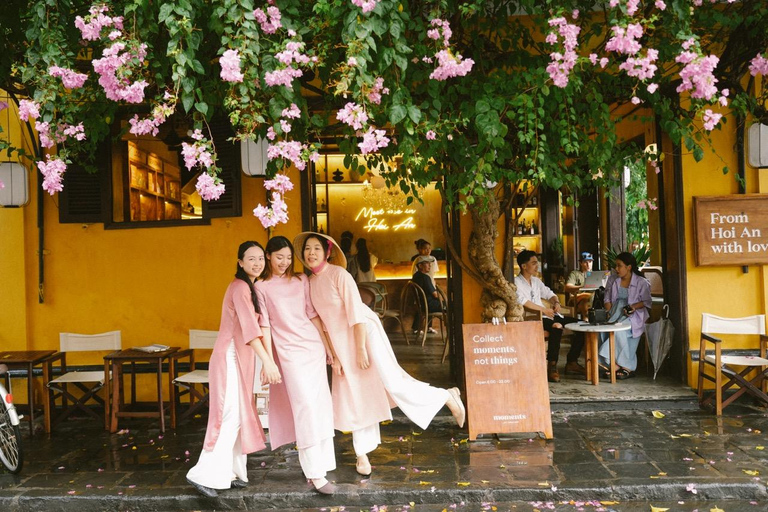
[205, 491]
[238, 484]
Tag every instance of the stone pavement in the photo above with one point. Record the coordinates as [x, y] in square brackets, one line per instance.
[628, 460]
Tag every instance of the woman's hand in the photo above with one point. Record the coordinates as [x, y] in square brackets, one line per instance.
[329, 358]
[362, 358]
[336, 366]
[270, 374]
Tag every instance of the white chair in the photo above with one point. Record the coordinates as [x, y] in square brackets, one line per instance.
[725, 364]
[187, 382]
[89, 382]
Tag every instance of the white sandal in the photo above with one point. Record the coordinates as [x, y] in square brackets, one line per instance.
[461, 415]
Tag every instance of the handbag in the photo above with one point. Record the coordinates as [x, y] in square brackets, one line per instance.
[597, 316]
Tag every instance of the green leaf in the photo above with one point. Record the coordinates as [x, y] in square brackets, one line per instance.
[165, 11]
[414, 113]
[187, 99]
[202, 107]
[397, 113]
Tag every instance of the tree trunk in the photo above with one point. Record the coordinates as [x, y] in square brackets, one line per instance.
[499, 298]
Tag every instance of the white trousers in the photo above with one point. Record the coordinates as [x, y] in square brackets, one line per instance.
[318, 459]
[216, 469]
[419, 401]
[365, 440]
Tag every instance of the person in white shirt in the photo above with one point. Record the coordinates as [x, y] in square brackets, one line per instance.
[530, 292]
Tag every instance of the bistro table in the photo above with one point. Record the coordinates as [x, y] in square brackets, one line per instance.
[28, 359]
[114, 362]
[590, 331]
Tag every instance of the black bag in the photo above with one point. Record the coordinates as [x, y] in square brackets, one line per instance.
[597, 316]
[599, 298]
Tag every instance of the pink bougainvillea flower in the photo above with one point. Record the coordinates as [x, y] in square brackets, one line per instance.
[28, 109]
[70, 79]
[53, 171]
[230, 66]
[711, 119]
[373, 140]
[366, 5]
[280, 183]
[353, 114]
[210, 188]
[269, 21]
[431, 135]
[758, 66]
[450, 66]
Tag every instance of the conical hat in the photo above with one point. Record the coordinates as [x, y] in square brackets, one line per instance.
[337, 255]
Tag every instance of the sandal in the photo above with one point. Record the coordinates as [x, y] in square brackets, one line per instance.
[603, 371]
[623, 373]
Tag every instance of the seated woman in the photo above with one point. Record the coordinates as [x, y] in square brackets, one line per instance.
[423, 280]
[628, 296]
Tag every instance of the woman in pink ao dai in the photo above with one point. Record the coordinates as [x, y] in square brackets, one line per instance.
[300, 408]
[234, 429]
[367, 379]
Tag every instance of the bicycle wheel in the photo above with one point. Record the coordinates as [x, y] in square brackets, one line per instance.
[10, 443]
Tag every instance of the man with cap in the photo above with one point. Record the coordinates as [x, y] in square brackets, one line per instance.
[424, 281]
[576, 280]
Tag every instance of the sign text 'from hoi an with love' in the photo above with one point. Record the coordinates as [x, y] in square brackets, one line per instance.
[731, 230]
[506, 375]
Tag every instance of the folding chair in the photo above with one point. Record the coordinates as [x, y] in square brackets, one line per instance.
[89, 382]
[187, 382]
[725, 363]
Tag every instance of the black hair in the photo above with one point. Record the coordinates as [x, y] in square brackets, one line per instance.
[421, 243]
[629, 260]
[363, 256]
[524, 257]
[275, 244]
[345, 243]
[240, 274]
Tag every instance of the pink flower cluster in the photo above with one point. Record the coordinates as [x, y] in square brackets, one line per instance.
[277, 214]
[160, 113]
[374, 95]
[290, 57]
[281, 184]
[288, 150]
[197, 153]
[291, 112]
[52, 170]
[431, 135]
[641, 67]
[442, 26]
[710, 119]
[91, 26]
[697, 74]
[113, 69]
[230, 66]
[561, 65]
[209, 187]
[758, 65]
[63, 130]
[660, 5]
[632, 6]
[366, 5]
[70, 79]
[450, 66]
[28, 109]
[373, 140]
[625, 40]
[269, 26]
[354, 115]
[593, 59]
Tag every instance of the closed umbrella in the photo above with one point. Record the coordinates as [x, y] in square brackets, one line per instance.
[660, 335]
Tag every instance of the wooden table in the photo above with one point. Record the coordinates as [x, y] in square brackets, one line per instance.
[590, 332]
[115, 362]
[28, 359]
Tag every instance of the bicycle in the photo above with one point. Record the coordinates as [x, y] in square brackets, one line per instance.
[10, 436]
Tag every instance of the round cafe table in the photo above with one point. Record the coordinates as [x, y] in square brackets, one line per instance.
[590, 332]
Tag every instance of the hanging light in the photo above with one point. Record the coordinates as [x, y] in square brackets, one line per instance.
[253, 157]
[15, 192]
[378, 182]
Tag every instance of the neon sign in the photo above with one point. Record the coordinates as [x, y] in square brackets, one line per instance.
[377, 221]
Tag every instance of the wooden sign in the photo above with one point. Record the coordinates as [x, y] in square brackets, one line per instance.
[506, 375]
[731, 230]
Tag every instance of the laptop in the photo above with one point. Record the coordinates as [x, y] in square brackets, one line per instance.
[596, 279]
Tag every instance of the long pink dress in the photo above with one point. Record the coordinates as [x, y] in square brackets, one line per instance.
[239, 324]
[300, 408]
[362, 398]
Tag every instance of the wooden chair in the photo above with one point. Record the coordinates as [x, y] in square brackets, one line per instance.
[726, 363]
[427, 316]
[89, 382]
[187, 383]
[374, 299]
[262, 395]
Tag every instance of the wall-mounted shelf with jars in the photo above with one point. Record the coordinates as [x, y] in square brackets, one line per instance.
[154, 186]
[527, 229]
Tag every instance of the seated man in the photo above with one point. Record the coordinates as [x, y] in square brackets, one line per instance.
[424, 281]
[576, 280]
[530, 292]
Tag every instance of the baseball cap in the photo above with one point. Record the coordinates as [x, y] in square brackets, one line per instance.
[586, 256]
[425, 259]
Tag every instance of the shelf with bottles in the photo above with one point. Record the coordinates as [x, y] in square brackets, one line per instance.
[330, 169]
[322, 223]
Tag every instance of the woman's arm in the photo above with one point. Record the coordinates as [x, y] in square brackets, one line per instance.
[330, 353]
[268, 367]
[361, 339]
